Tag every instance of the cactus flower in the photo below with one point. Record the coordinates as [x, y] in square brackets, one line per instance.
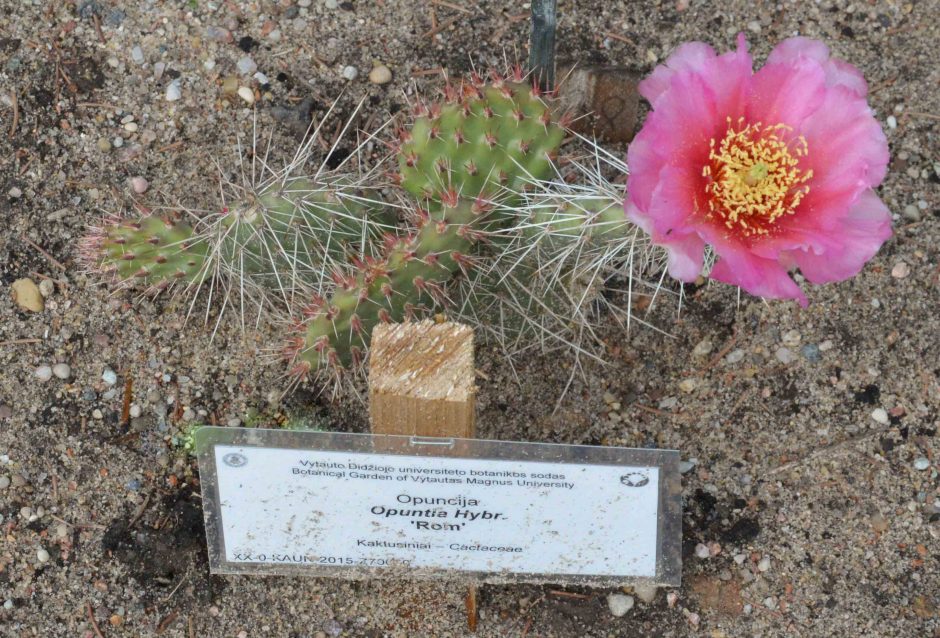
[773, 169]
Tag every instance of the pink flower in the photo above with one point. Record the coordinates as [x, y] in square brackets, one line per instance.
[773, 169]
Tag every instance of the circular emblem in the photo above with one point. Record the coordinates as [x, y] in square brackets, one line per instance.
[635, 479]
[234, 459]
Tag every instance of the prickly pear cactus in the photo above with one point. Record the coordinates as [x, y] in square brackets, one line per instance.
[466, 158]
[287, 234]
[482, 139]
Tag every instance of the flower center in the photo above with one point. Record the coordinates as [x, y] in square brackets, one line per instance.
[753, 176]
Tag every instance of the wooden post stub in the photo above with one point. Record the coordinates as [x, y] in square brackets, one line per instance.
[608, 93]
[421, 379]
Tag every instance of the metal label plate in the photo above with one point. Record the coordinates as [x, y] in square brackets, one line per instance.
[365, 506]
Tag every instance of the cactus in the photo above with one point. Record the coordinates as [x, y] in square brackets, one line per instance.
[288, 233]
[468, 158]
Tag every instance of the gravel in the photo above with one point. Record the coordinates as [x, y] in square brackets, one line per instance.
[619, 604]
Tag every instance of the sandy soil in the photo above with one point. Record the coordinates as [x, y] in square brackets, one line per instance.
[818, 520]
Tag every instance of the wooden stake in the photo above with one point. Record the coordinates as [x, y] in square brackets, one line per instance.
[421, 379]
[421, 383]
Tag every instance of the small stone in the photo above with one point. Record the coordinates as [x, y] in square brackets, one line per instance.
[62, 370]
[754, 26]
[109, 376]
[687, 385]
[921, 464]
[702, 551]
[912, 213]
[686, 466]
[825, 346]
[4, 482]
[137, 55]
[173, 91]
[15, 193]
[811, 352]
[104, 144]
[645, 592]
[131, 127]
[879, 523]
[46, 288]
[880, 415]
[735, 356]
[350, 72]
[892, 122]
[900, 270]
[792, 338]
[42, 555]
[246, 66]
[261, 78]
[246, 94]
[275, 35]
[209, 64]
[116, 620]
[785, 355]
[702, 348]
[380, 74]
[140, 185]
[331, 4]
[234, 422]
[214, 611]
[97, 414]
[619, 604]
[763, 564]
[118, 141]
[26, 294]
[218, 34]
[135, 410]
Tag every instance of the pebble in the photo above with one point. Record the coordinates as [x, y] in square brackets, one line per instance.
[702, 348]
[785, 355]
[702, 551]
[97, 414]
[42, 555]
[331, 4]
[109, 376]
[900, 270]
[15, 193]
[209, 64]
[118, 142]
[46, 288]
[350, 72]
[892, 122]
[173, 91]
[735, 356]
[246, 94]
[619, 604]
[26, 295]
[43, 373]
[811, 352]
[137, 55]
[218, 34]
[792, 338]
[686, 466]
[880, 415]
[687, 385]
[62, 370]
[921, 464]
[879, 523]
[645, 592]
[246, 66]
[135, 410]
[912, 213]
[380, 74]
[131, 127]
[140, 185]
[4, 482]
[261, 78]
[764, 564]
[104, 144]
[826, 345]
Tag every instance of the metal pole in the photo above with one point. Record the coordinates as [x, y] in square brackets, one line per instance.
[542, 42]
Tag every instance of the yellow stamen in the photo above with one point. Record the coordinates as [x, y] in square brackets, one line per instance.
[754, 176]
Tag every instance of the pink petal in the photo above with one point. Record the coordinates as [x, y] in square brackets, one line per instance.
[674, 202]
[685, 257]
[786, 93]
[761, 277]
[691, 56]
[848, 151]
[838, 72]
[862, 233]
